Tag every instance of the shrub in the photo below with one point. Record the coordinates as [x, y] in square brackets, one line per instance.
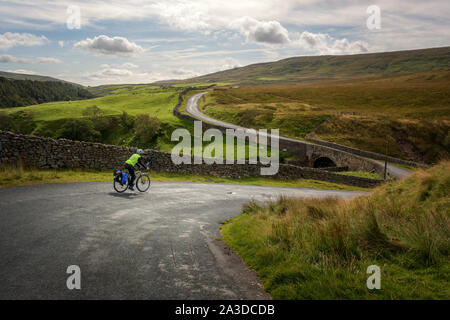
[126, 120]
[96, 115]
[146, 128]
[80, 130]
[23, 122]
[5, 121]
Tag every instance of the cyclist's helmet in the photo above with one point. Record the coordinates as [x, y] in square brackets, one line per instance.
[139, 151]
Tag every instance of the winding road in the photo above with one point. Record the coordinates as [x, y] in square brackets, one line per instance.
[192, 109]
[155, 245]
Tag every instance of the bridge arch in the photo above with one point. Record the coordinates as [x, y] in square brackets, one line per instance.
[323, 162]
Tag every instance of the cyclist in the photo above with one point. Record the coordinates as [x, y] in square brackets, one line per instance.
[135, 159]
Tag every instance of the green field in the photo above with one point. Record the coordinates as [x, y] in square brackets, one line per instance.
[103, 90]
[269, 79]
[200, 84]
[321, 248]
[48, 118]
[153, 100]
[363, 174]
[399, 100]
[409, 112]
[319, 68]
[135, 100]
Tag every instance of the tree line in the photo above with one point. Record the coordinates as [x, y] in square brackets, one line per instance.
[18, 93]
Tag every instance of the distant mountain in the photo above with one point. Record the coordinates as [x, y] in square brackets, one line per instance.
[311, 68]
[22, 76]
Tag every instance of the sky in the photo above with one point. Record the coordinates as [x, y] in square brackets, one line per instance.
[96, 42]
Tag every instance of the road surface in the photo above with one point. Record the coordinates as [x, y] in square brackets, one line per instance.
[155, 245]
[192, 109]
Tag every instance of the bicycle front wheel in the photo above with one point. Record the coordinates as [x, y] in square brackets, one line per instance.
[143, 183]
[120, 187]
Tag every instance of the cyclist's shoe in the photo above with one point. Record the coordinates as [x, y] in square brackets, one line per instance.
[131, 187]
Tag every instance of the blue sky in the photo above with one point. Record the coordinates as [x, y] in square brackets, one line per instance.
[140, 41]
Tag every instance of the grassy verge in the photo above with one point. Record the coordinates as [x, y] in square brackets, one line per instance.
[16, 176]
[362, 174]
[321, 249]
[401, 165]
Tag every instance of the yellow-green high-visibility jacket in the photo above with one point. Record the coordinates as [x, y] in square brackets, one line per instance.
[133, 159]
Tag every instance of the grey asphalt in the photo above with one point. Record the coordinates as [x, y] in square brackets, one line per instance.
[398, 172]
[152, 245]
[192, 108]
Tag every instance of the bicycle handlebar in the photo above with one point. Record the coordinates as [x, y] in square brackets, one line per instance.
[149, 162]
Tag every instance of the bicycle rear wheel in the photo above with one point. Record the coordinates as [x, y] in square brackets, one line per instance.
[143, 183]
[120, 187]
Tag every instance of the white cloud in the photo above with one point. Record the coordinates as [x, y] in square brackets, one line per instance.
[61, 44]
[117, 74]
[273, 29]
[126, 65]
[118, 46]
[272, 33]
[405, 24]
[211, 67]
[108, 75]
[181, 73]
[266, 32]
[9, 40]
[230, 63]
[23, 71]
[11, 59]
[48, 60]
[189, 16]
[325, 44]
[130, 65]
[111, 72]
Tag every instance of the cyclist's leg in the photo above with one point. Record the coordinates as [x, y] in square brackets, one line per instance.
[130, 169]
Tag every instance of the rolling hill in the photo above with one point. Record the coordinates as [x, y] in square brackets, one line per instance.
[34, 77]
[314, 68]
[17, 93]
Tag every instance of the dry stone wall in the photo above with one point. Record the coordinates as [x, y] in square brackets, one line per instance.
[61, 153]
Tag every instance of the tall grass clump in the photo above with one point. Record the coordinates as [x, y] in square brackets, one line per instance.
[321, 248]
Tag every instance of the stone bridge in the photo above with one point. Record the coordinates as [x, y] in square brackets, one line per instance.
[317, 156]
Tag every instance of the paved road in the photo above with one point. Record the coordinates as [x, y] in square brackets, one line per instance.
[156, 245]
[398, 172]
[192, 108]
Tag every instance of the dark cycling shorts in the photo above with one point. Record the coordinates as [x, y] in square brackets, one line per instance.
[130, 169]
